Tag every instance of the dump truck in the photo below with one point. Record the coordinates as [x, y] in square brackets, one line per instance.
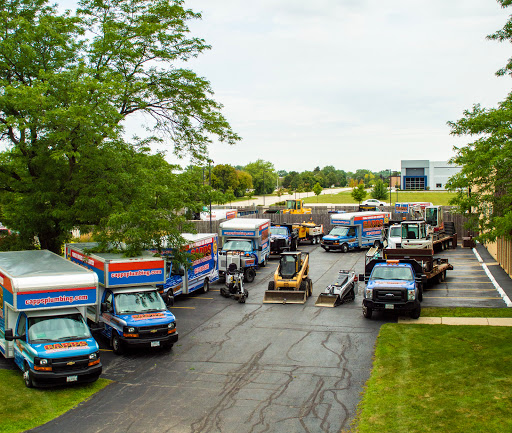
[291, 283]
[283, 237]
[43, 301]
[296, 207]
[310, 231]
[342, 290]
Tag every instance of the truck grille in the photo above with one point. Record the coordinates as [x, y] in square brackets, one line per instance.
[277, 244]
[390, 295]
[75, 363]
[153, 331]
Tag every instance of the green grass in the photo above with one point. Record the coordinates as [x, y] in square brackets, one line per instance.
[435, 378]
[440, 198]
[23, 408]
[465, 312]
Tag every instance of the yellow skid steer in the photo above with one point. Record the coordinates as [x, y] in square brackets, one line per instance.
[291, 284]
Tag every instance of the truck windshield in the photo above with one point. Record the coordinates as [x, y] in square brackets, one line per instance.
[410, 231]
[138, 302]
[394, 231]
[339, 231]
[57, 328]
[278, 231]
[392, 273]
[431, 216]
[238, 245]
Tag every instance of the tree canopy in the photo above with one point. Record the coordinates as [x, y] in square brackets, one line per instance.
[69, 84]
[484, 184]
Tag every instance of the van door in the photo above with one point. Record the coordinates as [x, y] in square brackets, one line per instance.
[20, 345]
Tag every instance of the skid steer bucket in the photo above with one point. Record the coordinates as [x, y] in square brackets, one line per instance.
[284, 297]
[327, 300]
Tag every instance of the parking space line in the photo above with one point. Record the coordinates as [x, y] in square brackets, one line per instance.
[199, 297]
[474, 290]
[467, 282]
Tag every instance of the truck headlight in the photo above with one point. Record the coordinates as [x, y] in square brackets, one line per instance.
[42, 364]
[130, 331]
[411, 295]
[368, 294]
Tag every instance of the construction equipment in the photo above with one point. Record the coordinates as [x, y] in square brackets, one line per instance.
[296, 207]
[291, 284]
[344, 289]
[310, 231]
[234, 287]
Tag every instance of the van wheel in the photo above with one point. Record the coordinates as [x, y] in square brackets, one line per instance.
[344, 248]
[249, 275]
[117, 345]
[26, 376]
[206, 286]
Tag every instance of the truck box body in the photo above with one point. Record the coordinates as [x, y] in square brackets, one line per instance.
[43, 299]
[203, 270]
[355, 230]
[129, 306]
[249, 237]
[219, 214]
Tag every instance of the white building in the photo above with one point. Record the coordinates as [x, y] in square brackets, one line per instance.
[423, 174]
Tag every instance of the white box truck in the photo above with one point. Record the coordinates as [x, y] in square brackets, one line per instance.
[43, 301]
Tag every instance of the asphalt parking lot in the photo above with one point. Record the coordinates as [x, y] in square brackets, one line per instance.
[258, 367]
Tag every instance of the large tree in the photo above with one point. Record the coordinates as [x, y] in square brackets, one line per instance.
[264, 176]
[484, 184]
[69, 84]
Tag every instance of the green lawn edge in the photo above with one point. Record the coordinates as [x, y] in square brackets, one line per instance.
[26, 408]
[465, 312]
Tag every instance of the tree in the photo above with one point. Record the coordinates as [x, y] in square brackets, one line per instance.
[317, 189]
[379, 190]
[224, 177]
[244, 183]
[359, 193]
[484, 184]
[263, 175]
[69, 84]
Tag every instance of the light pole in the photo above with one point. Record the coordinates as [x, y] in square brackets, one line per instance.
[389, 187]
[263, 187]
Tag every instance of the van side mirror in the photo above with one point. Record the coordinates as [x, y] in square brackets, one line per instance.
[104, 307]
[260, 248]
[9, 336]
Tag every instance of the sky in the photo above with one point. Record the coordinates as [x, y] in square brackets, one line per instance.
[357, 84]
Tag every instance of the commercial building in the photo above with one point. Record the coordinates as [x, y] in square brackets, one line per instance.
[423, 174]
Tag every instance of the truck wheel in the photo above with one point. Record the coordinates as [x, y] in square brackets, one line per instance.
[367, 312]
[249, 275]
[271, 285]
[344, 248]
[26, 376]
[415, 314]
[264, 263]
[420, 293]
[206, 285]
[117, 345]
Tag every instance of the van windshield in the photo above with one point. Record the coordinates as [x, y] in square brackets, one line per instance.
[57, 328]
[238, 245]
[138, 302]
[339, 231]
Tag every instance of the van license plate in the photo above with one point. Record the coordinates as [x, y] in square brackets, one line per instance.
[389, 306]
[71, 378]
[155, 343]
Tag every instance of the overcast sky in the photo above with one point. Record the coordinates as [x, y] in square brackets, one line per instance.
[349, 83]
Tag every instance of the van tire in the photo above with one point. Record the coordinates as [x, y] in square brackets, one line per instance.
[26, 376]
[249, 275]
[344, 248]
[117, 344]
[206, 285]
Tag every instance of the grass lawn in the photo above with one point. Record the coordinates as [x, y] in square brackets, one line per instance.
[435, 378]
[465, 312]
[440, 198]
[23, 408]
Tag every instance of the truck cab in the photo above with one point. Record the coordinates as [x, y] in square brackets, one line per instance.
[414, 235]
[391, 285]
[283, 237]
[342, 238]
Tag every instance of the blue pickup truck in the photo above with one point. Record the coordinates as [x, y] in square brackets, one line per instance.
[392, 285]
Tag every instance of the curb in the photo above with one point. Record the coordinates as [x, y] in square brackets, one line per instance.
[480, 321]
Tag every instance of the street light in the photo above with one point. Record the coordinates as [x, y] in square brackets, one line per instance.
[389, 187]
[263, 187]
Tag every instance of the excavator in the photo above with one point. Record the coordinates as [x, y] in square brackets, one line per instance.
[291, 284]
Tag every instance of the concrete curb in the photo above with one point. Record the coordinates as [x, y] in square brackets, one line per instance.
[480, 321]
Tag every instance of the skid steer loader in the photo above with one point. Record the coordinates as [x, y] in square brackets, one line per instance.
[343, 289]
[291, 284]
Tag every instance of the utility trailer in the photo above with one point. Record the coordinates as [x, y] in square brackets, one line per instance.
[342, 290]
